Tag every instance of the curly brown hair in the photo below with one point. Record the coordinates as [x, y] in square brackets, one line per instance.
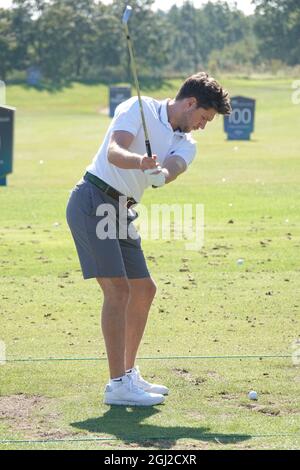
[207, 91]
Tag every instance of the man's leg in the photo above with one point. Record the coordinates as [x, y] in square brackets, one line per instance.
[116, 295]
[124, 391]
[141, 295]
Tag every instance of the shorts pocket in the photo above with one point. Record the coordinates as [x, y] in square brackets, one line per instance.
[82, 198]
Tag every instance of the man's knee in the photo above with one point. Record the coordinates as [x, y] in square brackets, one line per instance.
[143, 288]
[151, 288]
[115, 290]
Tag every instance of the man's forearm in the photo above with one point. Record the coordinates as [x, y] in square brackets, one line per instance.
[122, 158]
[173, 167]
[169, 176]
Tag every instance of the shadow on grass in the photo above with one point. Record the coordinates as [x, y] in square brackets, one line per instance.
[126, 425]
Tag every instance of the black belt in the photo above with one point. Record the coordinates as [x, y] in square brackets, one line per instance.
[112, 192]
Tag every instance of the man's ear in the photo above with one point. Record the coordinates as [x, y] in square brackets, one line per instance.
[191, 102]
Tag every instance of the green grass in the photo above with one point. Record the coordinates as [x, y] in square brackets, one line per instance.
[206, 304]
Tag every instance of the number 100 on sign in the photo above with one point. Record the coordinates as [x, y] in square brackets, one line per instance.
[240, 124]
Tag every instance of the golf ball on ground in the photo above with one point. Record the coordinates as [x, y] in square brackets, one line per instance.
[253, 395]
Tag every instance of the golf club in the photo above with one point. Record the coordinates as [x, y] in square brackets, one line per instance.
[126, 16]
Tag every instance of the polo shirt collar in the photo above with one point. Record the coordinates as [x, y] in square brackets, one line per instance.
[164, 117]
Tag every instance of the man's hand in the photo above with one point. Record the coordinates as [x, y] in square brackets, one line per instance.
[149, 163]
[157, 177]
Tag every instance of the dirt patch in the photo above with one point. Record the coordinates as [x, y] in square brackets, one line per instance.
[19, 407]
[214, 375]
[29, 416]
[227, 396]
[186, 375]
[267, 410]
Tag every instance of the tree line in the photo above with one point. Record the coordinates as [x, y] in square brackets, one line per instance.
[83, 40]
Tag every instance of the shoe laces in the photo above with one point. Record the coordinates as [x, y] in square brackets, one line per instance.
[137, 377]
[133, 387]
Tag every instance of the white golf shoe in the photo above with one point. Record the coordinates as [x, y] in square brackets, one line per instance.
[125, 392]
[144, 385]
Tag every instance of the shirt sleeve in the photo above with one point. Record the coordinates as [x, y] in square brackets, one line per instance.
[186, 149]
[127, 117]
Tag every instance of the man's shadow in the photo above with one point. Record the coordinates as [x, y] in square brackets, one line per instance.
[126, 424]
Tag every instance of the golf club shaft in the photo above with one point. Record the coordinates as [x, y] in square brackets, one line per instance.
[134, 73]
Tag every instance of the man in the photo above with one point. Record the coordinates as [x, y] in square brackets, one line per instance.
[121, 170]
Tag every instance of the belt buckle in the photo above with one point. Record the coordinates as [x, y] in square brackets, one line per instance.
[129, 202]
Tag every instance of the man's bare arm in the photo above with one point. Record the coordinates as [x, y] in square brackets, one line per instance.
[120, 156]
[174, 165]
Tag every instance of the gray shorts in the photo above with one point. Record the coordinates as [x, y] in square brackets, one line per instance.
[113, 256]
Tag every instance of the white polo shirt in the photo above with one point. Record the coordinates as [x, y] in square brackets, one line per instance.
[164, 142]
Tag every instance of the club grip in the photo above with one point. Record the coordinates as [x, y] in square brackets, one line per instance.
[149, 153]
[148, 148]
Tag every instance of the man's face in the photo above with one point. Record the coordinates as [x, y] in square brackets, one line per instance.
[194, 118]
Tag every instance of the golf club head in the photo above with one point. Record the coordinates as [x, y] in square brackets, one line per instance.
[127, 14]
